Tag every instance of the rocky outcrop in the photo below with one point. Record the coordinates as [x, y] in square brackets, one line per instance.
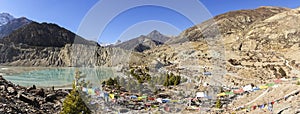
[18, 99]
[275, 33]
[69, 55]
[23, 55]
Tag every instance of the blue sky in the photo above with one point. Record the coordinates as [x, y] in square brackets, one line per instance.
[131, 23]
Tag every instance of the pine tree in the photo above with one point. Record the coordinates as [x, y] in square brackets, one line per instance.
[218, 103]
[110, 82]
[177, 80]
[166, 82]
[73, 104]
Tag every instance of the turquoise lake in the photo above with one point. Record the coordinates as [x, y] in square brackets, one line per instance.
[58, 77]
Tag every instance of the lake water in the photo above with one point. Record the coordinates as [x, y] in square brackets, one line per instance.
[58, 77]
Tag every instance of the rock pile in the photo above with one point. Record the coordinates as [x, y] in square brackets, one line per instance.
[18, 99]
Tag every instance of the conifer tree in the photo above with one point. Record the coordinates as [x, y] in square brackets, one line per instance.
[74, 104]
[218, 103]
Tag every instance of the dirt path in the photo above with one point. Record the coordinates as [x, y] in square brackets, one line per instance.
[261, 95]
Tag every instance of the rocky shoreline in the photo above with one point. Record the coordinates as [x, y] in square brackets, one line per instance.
[18, 99]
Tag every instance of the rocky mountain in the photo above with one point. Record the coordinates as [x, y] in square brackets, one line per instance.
[138, 44]
[143, 42]
[43, 44]
[157, 36]
[233, 49]
[8, 24]
[257, 45]
[261, 41]
[44, 35]
[37, 44]
[5, 18]
[228, 23]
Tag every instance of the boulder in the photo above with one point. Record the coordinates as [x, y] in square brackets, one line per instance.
[2, 87]
[234, 62]
[11, 90]
[33, 88]
[30, 100]
[40, 92]
[51, 97]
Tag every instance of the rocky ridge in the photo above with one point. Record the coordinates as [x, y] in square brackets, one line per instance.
[143, 42]
[8, 24]
[258, 45]
[5, 18]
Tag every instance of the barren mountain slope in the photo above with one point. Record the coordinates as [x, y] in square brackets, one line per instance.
[256, 44]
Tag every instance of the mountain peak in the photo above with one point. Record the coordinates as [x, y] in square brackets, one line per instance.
[157, 36]
[154, 32]
[6, 15]
[5, 18]
[8, 23]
